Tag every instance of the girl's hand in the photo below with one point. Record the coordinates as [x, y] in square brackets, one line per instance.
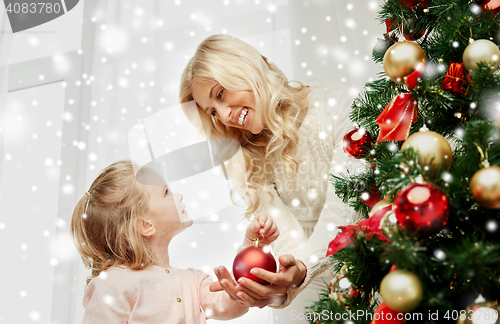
[290, 274]
[262, 227]
[226, 282]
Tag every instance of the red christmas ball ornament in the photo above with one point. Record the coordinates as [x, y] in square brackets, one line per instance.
[412, 35]
[357, 143]
[384, 314]
[372, 197]
[254, 256]
[411, 32]
[411, 4]
[421, 208]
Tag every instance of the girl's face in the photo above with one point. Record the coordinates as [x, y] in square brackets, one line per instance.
[233, 109]
[166, 210]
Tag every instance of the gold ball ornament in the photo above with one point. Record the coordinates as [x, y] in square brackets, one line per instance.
[430, 146]
[401, 290]
[389, 224]
[485, 187]
[339, 286]
[481, 311]
[482, 50]
[379, 205]
[402, 59]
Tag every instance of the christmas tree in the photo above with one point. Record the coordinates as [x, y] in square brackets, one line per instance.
[429, 127]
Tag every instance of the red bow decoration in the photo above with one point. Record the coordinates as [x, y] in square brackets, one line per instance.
[370, 226]
[381, 212]
[390, 25]
[396, 118]
[456, 78]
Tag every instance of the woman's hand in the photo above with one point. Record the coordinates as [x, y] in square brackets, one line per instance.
[248, 292]
[290, 274]
[262, 227]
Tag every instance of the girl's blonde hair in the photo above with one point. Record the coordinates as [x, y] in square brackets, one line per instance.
[237, 66]
[106, 220]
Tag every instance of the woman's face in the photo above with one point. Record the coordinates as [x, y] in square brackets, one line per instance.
[233, 109]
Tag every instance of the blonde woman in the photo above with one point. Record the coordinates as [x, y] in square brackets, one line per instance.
[290, 135]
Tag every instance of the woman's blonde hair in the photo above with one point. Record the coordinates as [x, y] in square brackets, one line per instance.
[105, 222]
[237, 66]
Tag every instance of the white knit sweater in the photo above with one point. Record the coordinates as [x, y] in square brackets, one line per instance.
[308, 212]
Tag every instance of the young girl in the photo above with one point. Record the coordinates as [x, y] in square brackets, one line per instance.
[122, 228]
[291, 138]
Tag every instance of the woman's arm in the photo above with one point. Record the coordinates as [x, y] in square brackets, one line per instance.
[289, 279]
[336, 105]
[311, 252]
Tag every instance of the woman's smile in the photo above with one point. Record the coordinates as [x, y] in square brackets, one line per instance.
[243, 116]
[233, 109]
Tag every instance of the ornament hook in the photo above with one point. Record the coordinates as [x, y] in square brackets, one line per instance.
[484, 156]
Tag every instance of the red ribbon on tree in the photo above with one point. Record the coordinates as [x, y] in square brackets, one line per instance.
[390, 25]
[370, 226]
[396, 118]
[456, 78]
[381, 212]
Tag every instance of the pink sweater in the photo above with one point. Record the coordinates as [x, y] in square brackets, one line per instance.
[156, 295]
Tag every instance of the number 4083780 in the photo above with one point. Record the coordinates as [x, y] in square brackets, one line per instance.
[38, 7]
[481, 314]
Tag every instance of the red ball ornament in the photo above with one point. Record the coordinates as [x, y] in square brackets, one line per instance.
[384, 314]
[372, 197]
[410, 33]
[357, 143]
[413, 35]
[253, 257]
[423, 208]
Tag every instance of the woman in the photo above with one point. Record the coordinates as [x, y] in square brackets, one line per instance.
[291, 140]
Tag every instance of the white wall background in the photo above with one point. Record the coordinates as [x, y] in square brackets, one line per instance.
[77, 85]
